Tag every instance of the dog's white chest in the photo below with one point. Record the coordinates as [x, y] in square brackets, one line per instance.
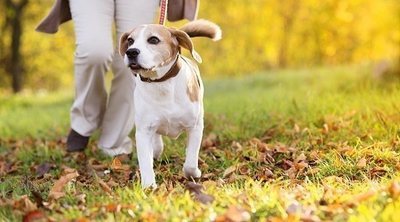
[171, 127]
[166, 108]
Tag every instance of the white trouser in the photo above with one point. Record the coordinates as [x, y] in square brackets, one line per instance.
[93, 21]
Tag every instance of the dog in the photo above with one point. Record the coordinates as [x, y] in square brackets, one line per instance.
[168, 96]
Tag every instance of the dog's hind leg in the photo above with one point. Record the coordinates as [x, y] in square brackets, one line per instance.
[190, 167]
[158, 146]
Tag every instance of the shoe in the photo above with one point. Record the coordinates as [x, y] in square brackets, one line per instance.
[76, 142]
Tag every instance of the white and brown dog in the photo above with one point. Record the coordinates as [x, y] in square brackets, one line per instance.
[168, 96]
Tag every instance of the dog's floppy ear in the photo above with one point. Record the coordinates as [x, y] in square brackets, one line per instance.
[185, 42]
[123, 43]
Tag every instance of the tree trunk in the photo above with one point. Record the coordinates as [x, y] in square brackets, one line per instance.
[288, 13]
[15, 65]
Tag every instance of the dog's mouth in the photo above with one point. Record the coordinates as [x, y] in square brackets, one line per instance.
[135, 66]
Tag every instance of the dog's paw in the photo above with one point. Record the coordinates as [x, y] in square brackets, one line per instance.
[157, 154]
[149, 186]
[191, 172]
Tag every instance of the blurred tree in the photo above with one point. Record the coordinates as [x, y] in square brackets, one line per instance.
[257, 35]
[288, 11]
[13, 26]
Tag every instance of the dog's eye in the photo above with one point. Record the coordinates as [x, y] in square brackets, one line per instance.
[130, 41]
[153, 40]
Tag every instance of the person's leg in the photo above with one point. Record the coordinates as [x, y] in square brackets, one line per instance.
[94, 50]
[119, 117]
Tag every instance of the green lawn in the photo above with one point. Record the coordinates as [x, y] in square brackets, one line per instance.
[301, 145]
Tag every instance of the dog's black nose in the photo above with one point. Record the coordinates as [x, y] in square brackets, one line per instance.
[132, 53]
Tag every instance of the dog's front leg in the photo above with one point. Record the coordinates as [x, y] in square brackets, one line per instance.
[144, 139]
[190, 167]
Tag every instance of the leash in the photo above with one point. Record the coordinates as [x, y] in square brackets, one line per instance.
[163, 11]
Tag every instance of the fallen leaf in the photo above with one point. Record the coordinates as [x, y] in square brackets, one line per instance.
[394, 189]
[56, 191]
[229, 171]
[96, 165]
[363, 197]
[296, 128]
[295, 210]
[113, 208]
[34, 216]
[362, 163]
[377, 172]
[38, 198]
[209, 141]
[81, 198]
[237, 146]
[244, 170]
[112, 183]
[325, 128]
[234, 214]
[82, 219]
[102, 184]
[42, 169]
[197, 190]
[24, 204]
[117, 165]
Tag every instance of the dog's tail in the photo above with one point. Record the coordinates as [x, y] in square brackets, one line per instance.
[203, 28]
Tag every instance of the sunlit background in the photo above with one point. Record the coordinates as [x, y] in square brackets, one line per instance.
[258, 35]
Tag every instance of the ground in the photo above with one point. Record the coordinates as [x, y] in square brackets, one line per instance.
[296, 145]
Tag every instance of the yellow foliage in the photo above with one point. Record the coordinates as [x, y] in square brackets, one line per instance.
[257, 35]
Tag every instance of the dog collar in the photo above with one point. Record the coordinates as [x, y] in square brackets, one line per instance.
[172, 72]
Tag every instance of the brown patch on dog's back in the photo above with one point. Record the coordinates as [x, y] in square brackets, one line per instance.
[193, 89]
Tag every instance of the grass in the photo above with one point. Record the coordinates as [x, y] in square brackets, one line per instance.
[312, 144]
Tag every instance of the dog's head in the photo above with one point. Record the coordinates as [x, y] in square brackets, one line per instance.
[152, 46]
[149, 47]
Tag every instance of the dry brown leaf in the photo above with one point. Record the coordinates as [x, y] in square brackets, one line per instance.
[398, 166]
[234, 214]
[363, 197]
[261, 146]
[314, 155]
[292, 173]
[24, 204]
[362, 163]
[34, 215]
[104, 186]
[81, 198]
[113, 208]
[276, 219]
[112, 183]
[56, 191]
[96, 165]
[325, 128]
[348, 150]
[301, 157]
[244, 170]
[296, 128]
[394, 189]
[38, 198]
[117, 165]
[300, 162]
[377, 172]
[296, 210]
[209, 141]
[43, 168]
[82, 219]
[229, 171]
[301, 165]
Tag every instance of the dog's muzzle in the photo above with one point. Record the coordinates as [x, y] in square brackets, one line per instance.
[132, 55]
